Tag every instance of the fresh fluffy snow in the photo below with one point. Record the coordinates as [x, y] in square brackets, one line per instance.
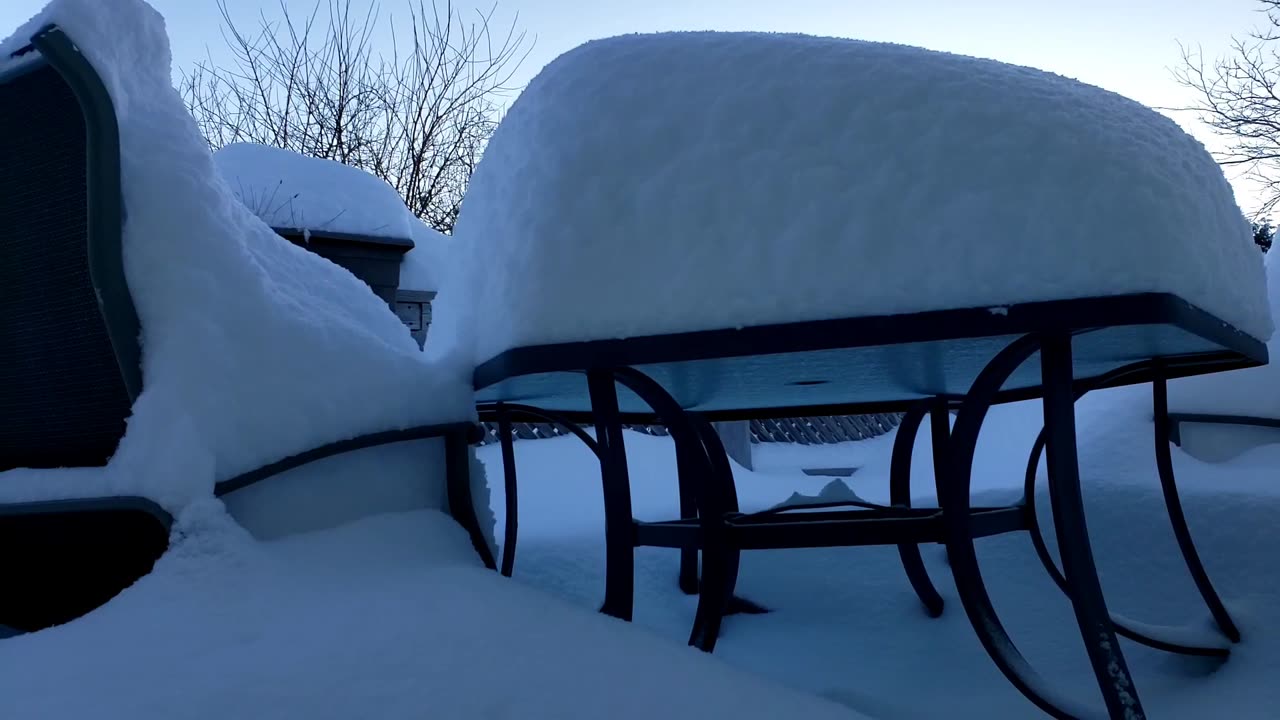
[253, 349]
[844, 622]
[288, 190]
[1254, 392]
[427, 264]
[389, 617]
[688, 181]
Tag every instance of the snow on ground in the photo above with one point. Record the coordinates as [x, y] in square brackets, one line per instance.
[287, 190]
[593, 217]
[389, 617]
[845, 623]
[252, 349]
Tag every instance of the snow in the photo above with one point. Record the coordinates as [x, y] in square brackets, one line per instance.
[844, 623]
[388, 617]
[1253, 392]
[252, 349]
[689, 181]
[288, 190]
[425, 266]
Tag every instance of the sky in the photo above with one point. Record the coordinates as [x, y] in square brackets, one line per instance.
[1127, 46]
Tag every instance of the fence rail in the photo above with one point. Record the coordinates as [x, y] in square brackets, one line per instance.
[805, 430]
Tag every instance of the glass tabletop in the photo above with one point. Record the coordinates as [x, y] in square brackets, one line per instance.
[867, 361]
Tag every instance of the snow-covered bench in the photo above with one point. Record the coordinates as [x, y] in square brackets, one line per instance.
[152, 346]
[711, 225]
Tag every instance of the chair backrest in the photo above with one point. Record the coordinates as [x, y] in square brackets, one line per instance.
[69, 347]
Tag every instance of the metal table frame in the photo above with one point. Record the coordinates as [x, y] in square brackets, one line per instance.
[711, 523]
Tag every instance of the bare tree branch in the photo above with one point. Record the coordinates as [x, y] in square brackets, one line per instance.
[418, 116]
[1238, 97]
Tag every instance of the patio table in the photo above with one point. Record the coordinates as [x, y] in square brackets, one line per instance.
[927, 363]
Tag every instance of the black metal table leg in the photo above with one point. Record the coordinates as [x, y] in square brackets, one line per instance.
[619, 526]
[900, 496]
[1173, 503]
[1172, 643]
[953, 492]
[704, 469]
[1100, 641]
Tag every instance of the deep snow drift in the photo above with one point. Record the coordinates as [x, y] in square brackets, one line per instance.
[844, 622]
[252, 349]
[389, 617]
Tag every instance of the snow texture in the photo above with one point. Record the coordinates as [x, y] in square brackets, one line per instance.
[288, 190]
[844, 623]
[1254, 392]
[389, 617]
[426, 265]
[688, 181]
[252, 349]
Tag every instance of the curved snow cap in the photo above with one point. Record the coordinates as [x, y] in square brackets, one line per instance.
[252, 349]
[686, 181]
[288, 190]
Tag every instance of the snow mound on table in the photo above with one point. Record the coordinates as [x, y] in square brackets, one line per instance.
[252, 349]
[1254, 392]
[687, 181]
[288, 190]
[391, 617]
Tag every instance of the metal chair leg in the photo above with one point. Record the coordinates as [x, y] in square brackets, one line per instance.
[511, 490]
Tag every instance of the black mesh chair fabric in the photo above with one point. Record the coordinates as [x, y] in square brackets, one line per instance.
[57, 566]
[62, 400]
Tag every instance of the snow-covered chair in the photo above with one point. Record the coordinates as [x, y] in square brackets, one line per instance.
[70, 352]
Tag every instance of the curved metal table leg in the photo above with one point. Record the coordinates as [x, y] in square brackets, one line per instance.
[900, 496]
[721, 559]
[701, 458]
[1173, 503]
[619, 526]
[953, 490]
[688, 578]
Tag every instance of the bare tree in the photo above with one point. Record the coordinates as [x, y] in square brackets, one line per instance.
[413, 103]
[1239, 98]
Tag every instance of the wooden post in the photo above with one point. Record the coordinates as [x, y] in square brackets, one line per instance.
[736, 437]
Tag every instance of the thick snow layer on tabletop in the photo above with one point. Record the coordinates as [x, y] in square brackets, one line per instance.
[428, 263]
[288, 190]
[252, 349]
[391, 617]
[1254, 392]
[689, 181]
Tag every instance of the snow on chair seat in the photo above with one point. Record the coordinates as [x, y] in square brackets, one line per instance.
[160, 343]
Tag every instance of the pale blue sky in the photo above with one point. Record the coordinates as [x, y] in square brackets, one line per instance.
[1127, 46]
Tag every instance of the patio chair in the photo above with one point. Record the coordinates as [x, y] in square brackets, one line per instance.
[70, 354]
